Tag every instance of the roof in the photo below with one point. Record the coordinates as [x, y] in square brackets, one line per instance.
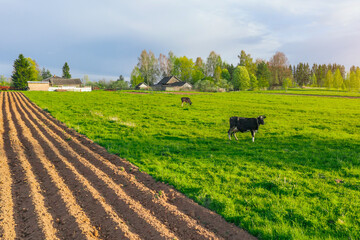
[177, 84]
[165, 80]
[141, 84]
[38, 82]
[63, 81]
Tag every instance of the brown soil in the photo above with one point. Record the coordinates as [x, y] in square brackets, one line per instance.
[57, 184]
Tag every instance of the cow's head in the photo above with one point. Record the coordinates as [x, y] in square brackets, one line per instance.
[261, 119]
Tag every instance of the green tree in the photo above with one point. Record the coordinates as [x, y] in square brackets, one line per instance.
[45, 73]
[286, 83]
[21, 73]
[206, 85]
[35, 74]
[247, 61]
[196, 75]
[217, 74]
[329, 80]
[4, 81]
[263, 75]
[338, 79]
[183, 68]
[244, 78]
[253, 82]
[358, 79]
[119, 84]
[66, 71]
[230, 68]
[302, 74]
[236, 79]
[225, 74]
[353, 81]
[136, 77]
[313, 80]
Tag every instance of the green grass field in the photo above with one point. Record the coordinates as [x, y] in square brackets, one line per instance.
[282, 186]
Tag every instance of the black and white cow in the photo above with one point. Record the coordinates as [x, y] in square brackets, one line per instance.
[185, 100]
[240, 124]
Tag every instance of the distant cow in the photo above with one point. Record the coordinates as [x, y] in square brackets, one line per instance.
[185, 100]
[240, 124]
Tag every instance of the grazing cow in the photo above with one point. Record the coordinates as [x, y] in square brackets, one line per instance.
[240, 124]
[185, 100]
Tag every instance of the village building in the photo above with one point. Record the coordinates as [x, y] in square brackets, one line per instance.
[54, 83]
[142, 86]
[172, 83]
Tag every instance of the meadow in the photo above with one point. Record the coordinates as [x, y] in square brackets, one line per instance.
[298, 180]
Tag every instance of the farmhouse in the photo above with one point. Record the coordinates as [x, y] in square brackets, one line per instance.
[142, 86]
[172, 83]
[49, 84]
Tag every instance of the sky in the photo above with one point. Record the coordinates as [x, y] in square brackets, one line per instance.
[103, 39]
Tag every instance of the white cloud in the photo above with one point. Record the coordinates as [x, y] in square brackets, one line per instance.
[106, 37]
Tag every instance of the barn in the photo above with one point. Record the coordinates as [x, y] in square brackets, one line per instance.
[172, 83]
[52, 82]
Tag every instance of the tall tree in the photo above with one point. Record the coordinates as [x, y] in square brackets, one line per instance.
[225, 74]
[164, 66]
[244, 78]
[302, 74]
[45, 73]
[196, 75]
[279, 68]
[236, 79]
[66, 71]
[148, 66]
[136, 77]
[183, 68]
[34, 69]
[247, 61]
[329, 80]
[230, 69]
[263, 75]
[217, 74]
[338, 79]
[358, 79]
[21, 73]
[212, 62]
[253, 82]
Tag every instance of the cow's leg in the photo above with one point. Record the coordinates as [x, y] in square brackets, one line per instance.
[182, 104]
[253, 135]
[229, 134]
[235, 136]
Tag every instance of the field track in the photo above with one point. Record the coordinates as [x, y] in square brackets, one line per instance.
[57, 184]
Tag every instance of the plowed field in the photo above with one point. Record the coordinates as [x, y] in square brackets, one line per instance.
[57, 184]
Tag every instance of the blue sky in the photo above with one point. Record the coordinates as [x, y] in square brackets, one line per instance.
[103, 39]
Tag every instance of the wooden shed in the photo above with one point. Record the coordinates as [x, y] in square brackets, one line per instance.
[142, 86]
[172, 83]
[38, 85]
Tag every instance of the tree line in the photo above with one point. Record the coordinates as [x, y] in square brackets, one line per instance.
[215, 74]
